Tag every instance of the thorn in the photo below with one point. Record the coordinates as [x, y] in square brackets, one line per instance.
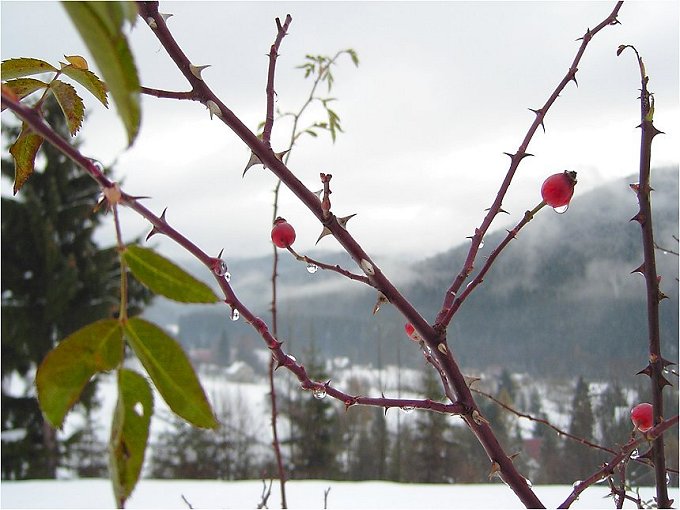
[343, 221]
[495, 470]
[382, 299]
[213, 108]
[219, 256]
[254, 160]
[514, 456]
[661, 296]
[663, 382]
[501, 210]
[539, 112]
[646, 371]
[478, 418]
[471, 380]
[280, 155]
[318, 194]
[165, 15]
[665, 362]
[442, 348]
[197, 70]
[639, 217]
[153, 232]
[324, 233]
[640, 269]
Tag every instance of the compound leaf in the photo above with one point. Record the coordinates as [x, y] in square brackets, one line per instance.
[89, 80]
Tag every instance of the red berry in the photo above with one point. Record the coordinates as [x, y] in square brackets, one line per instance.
[642, 416]
[283, 234]
[558, 189]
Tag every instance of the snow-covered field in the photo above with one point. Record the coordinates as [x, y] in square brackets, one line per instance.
[300, 494]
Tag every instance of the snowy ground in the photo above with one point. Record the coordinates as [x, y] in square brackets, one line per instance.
[300, 494]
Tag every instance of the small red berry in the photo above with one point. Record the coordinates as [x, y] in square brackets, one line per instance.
[283, 234]
[642, 416]
[558, 189]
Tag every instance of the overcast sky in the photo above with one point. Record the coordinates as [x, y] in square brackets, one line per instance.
[443, 89]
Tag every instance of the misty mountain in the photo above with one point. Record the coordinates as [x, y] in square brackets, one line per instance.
[561, 296]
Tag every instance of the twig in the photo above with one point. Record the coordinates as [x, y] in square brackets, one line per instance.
[186, 501]
[644, 217]
[325, 497]
[608, 468]
[444, 317]
[266, 492]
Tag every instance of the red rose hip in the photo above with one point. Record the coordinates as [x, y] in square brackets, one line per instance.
[283, 233]
[642, 416]
[558, 189]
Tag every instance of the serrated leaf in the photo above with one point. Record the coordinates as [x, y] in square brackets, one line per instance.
[24, 150]
[90, 81]
[171, 372]
[20, 67]
[129, 433]
[77, 61]
[62, 375]
[100, 25]
[165, 278]
[71, 104]
[23, 87]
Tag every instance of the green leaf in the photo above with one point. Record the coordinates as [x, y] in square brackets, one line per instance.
[129, 433]
[23, 87]
[71, 104]
[353, 55]
[165, 278]
[89, 80]
[24, 150]
[62, 375]
[100, 25]
[170, 370]
[19, 67]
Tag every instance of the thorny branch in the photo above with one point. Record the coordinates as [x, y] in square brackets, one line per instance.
[654, 370]
[444, 317]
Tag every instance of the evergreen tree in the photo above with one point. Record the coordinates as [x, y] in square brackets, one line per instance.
[580, 460]
[55, 280]
[315, 430]
[434, 447]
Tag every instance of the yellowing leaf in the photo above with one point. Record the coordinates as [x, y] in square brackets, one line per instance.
[90, 81]
[62, 375]
[100, 25]
[24, 150]
[129, 433]
[77, 61]
[22, 87]
[165, 278]
[71, 104]
[170, 370]
[19, 67]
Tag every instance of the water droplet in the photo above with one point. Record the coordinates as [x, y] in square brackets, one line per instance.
[139, 409]
[292, 358]
[576, 483]
[528, 482]
[97, 164]
[227, 276]
[219, 267]
[312, 268]
[635, 454]
[235, 314]
[407, 409]
[481, 243]
[668, 478]
[561, 209]
[319, 393]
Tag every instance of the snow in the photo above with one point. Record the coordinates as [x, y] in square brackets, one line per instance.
[95, 493]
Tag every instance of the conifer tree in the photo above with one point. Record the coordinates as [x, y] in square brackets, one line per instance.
[55, 279]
